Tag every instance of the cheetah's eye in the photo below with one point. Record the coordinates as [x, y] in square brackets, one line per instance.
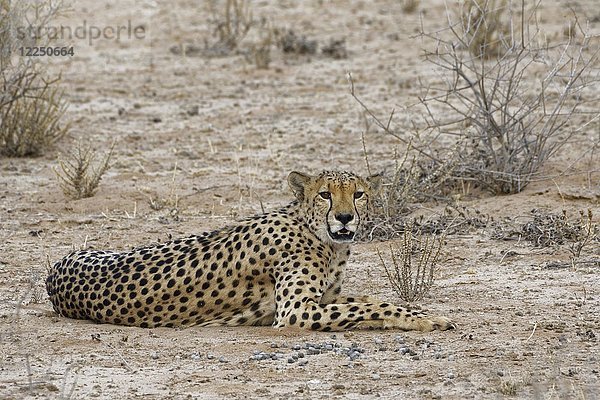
[358, 195]
[325, 195]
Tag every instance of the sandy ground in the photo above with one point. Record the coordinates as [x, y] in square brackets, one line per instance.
[213, 139]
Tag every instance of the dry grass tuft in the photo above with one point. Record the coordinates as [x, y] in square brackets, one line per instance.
[78, 176]
[231, 24]
[261, 51]
[413, 268]
[508, 387]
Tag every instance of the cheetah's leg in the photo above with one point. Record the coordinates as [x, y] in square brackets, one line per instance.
[297, 304]
[332, 295]
[338, 317]
[349, 299]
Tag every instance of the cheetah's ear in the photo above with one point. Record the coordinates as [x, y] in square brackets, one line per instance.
[375, 182]
[298, 182]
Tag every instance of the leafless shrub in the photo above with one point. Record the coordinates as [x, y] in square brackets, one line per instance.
[413, 268]
[502, 117]
[78, 176]
[508, 122]
[31, 105]
[29, 125]
[230, 24]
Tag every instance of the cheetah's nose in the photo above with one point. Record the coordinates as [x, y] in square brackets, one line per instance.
[344, 218]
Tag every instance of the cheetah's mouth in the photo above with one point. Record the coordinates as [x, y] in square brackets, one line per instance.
[343, 235]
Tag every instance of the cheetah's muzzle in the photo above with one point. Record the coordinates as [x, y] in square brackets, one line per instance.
[283, 268]
[342, 236]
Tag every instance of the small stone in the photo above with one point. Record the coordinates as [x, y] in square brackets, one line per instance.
[375, 377]
[291, 360]
[274, 345]
[562, 339]
[451, 357]
[378, 341]
[195, 356]
[193, 110]
[154, 356]
[450, 375]
[209, 356]
[223, 359]
[302, 362]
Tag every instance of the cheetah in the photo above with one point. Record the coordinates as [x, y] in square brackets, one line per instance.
[283, 268]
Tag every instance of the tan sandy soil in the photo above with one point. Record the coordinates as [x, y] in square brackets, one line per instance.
[522, 326]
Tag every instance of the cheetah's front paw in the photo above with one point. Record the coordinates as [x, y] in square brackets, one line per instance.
[429, 323]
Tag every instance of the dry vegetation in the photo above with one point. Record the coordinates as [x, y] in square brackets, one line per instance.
[508, 117]
[414, 265]
[79, 174]
[231, 23]
[508, 105]
[507, 98]
[31, 104]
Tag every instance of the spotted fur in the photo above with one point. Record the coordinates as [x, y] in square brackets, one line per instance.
[284, 268]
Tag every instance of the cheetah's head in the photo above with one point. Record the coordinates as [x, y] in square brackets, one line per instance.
[335, 203]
